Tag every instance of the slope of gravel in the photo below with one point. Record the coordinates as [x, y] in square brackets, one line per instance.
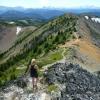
[76, 83]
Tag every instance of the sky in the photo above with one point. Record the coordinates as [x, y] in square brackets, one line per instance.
[50, 3]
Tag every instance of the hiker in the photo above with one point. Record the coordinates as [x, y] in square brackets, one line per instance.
[33, 69]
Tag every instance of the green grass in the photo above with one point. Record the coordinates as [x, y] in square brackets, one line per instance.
[41, 73]
[12, 73]
[56, 56]
[51, 88]
[51, 57]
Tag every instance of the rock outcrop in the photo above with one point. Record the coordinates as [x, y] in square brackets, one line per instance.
[75, 82]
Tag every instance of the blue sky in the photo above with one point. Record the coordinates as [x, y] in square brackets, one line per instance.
[50, 3]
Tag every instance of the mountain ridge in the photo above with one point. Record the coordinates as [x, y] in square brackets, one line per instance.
[69, 38]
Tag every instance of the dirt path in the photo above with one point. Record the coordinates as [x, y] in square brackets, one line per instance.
[63, 53]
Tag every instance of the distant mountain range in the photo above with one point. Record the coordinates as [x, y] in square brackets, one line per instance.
[9, 13]
[14, 13]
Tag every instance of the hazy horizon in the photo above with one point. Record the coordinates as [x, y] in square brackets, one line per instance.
[51, 3]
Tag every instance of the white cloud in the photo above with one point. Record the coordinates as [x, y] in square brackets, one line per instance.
[51, 3]
[44, 2]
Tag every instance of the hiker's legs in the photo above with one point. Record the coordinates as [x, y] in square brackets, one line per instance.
[34, 81]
